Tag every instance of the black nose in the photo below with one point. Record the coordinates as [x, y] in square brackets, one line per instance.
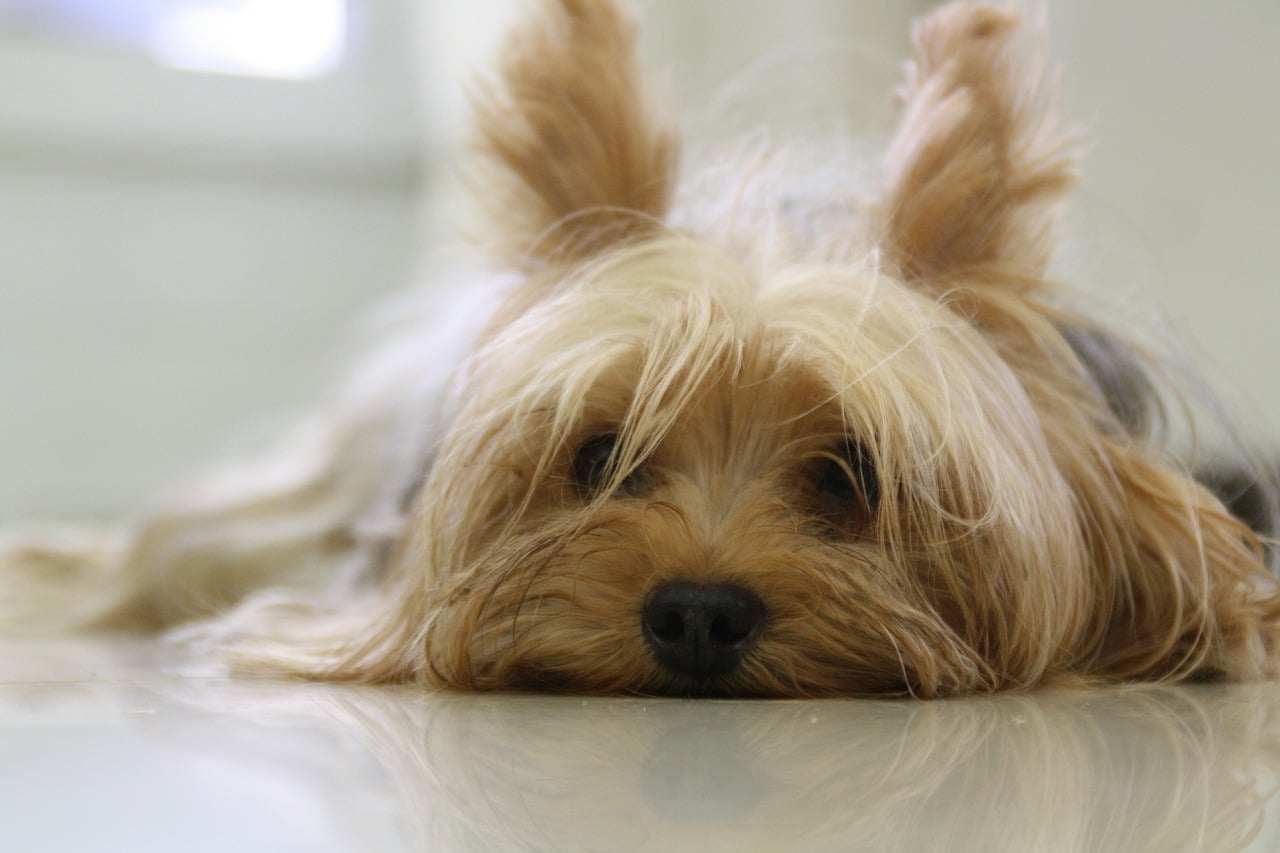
[701, 630]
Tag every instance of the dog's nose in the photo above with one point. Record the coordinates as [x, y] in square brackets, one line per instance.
[701, 630]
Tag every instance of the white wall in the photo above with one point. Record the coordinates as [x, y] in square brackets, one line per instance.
[180, 252]
[1181, 195]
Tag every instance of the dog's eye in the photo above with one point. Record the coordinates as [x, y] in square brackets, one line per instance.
[847, 484]
[593, 465]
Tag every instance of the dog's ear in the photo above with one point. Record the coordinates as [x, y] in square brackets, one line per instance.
[1185, 588]
[978, 168]
[571, 156]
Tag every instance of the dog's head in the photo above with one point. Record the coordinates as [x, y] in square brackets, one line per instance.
[872, 462]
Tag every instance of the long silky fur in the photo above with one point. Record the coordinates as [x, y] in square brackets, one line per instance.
[1032, 528]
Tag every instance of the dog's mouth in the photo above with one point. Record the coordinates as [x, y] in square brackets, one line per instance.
[721, 688]
[665, 686]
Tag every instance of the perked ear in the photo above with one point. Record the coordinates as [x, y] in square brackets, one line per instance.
[978, 169]
[572, 159]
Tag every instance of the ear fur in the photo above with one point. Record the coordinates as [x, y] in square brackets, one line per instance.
[1194, 598]
[978, 168]
[572, 158]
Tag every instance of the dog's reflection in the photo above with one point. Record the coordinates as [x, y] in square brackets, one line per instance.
[1143, 769]
[1152, 768]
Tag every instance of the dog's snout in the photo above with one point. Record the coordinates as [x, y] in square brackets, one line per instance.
[701, 630]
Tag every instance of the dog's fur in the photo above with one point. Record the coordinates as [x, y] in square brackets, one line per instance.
[876, 414]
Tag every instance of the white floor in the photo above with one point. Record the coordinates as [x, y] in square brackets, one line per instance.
[104, 746]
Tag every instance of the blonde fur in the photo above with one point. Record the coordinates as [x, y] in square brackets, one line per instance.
[1022, 532]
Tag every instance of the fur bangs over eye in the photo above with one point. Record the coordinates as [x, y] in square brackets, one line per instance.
[847, 485]
[594, 465]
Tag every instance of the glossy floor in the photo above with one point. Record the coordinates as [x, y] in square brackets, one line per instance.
[104, 746]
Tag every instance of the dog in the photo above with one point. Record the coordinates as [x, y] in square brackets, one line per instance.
[768, 440]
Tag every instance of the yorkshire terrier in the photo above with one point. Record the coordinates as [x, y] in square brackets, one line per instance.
[769, 439]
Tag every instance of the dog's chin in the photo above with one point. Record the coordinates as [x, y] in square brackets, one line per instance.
[651, 682]
[716, 688]
[755, 680]
[666, 686]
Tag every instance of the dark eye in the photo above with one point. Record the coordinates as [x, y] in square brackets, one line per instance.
[592, 466]
[847, 485]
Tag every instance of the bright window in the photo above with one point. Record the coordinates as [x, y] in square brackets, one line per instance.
[288, 39]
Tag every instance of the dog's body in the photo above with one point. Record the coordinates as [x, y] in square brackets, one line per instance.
[757, 444]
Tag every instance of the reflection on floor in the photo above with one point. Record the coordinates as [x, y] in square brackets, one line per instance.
[106, 747]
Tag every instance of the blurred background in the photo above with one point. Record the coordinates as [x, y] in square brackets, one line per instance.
[198, 197]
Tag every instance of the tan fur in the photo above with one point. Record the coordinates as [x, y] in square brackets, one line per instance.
[978, 167]
[1023, 533]
[571, 158]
